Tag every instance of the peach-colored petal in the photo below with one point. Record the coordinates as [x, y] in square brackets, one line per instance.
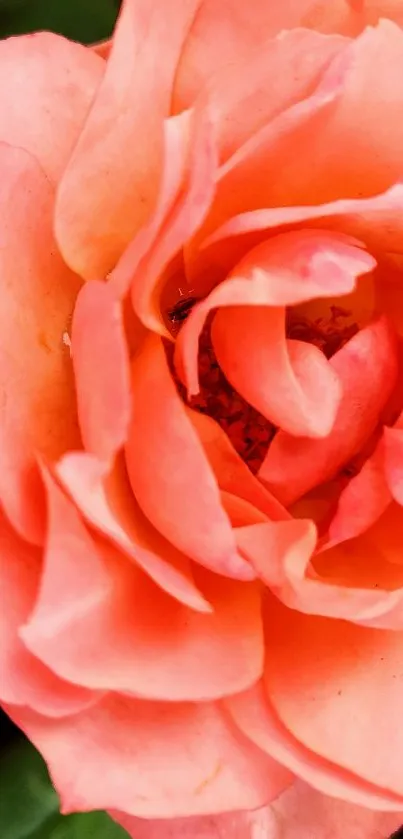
[289, 382]
[106, 501]
[282, 554]
[115, 172]
[47, 87]
[357, 690]
[393, 453]
[299, 813]
[158, 760]
[169, 472]
[367, 367]
[358, 96]
[101, 368]
[109, 627]
[102, 48]
[38, 294]
[185, 217]
[24, 680]
[231, 472]
[377, 221]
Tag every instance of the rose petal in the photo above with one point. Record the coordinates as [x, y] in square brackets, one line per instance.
[299, 813]
[101, 369]
[115, 176]
[38, 294]
[367, 368]
[393, 453]
[166, 464]
[298, 389]
[230, 470]
[109, 627]
[356, 690]
[24, 680]
[256, 717]
[158, 759]
[106, 502]
[48, 86]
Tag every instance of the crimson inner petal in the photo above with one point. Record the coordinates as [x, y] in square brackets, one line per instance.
[249, 431]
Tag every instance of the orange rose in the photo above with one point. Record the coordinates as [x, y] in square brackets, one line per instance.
[202, 415]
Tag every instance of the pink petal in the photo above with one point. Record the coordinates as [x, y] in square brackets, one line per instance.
[377, 221]
[327, 676]
[48, 85]
[230, 470]
[255, 715]
[117, 163]
[109, 627]
[158, 760]
[102, 48]
[38, 295]
[106, 502]
[101, 369]
[186, 215]
[169, 473]
[299, 813]
[298, 389]
[367, 368]
[353, 582]
[24, 680]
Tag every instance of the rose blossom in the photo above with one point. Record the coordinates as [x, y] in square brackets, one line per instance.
[202, 429]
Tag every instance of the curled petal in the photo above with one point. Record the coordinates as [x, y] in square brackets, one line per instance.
[24, 679]
[115, 176]
[106, 501]
[169, 473]
[289, 382]
[47, 80]
[101, 368]
[367, 368]
[215, 769]
[36, 381]
[109, 627]
[393, 454]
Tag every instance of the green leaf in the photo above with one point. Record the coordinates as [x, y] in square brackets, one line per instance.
[29, 806]
[80, 20]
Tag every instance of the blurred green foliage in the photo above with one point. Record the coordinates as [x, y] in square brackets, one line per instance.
[81, 20]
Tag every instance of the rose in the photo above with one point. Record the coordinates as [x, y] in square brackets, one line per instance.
[182, 637]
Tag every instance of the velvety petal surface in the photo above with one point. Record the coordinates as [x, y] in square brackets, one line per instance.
[47, 87]
[115, 173]
[159, 760]
[367, 368]
[166, 463]
[36, 381]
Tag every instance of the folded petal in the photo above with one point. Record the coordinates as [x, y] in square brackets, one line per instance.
[367, 367]
[159, 760]
[170, 474]
[38, 295]
[110, 627]
[101, 370]
[289, 382]
[106, 501]
[356, 690]
[393, 454]
[24, 680]
[47, 81]
[110, 186]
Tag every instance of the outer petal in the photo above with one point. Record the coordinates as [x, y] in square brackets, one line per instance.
[299, 813]
[24, 680]
[357, 690]
[158, 760]
[367, 367]
[169, 473]
[289, 382]
[36, 384]
[48, 84]
[113, 172]
[106, 501]
[101, 368]
[110, 627]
